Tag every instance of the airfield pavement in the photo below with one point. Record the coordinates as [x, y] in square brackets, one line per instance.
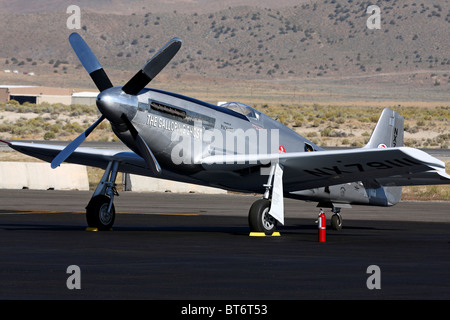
[192, 247]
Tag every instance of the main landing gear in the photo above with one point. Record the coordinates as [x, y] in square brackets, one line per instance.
[100, 212]
[260, 220]
[265, 213]
[261, 216]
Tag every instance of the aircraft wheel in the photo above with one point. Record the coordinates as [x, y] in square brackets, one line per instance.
[97, 213]
[259, 218]
[336, 222]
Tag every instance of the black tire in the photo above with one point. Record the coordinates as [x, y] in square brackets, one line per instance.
[336, 222]
[96, 213]
[259, 219]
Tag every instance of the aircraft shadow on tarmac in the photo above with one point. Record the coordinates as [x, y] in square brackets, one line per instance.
[14, 220]
[37, 227]
[233, 230]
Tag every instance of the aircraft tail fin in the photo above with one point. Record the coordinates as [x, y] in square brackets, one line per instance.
[388, 132]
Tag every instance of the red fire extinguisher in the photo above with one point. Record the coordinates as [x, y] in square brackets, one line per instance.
[322, 226]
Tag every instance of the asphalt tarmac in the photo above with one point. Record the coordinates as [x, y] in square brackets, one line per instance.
[197, 247]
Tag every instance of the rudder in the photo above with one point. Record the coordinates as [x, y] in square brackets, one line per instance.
[388, 132]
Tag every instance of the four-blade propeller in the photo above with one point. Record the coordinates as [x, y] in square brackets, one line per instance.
[152, 67]
[132, 87]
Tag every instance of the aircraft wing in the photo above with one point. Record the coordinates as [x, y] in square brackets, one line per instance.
[303, 170]
[129, 161]
[401, 166]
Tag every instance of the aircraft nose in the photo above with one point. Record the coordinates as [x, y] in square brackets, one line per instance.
[113, 103]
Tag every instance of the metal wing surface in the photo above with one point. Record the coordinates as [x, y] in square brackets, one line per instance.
[304, 170]
[401, 166]
[129, 161]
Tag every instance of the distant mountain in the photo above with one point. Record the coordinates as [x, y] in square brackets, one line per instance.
[262, 40]
[136, 6]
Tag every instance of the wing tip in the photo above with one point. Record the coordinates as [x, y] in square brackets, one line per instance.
[6, 142]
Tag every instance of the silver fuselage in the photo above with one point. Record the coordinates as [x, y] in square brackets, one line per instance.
[181, 131]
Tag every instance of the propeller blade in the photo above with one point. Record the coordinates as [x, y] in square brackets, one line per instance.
[70, 148]
[143, 147]
[90, 62]
[101, 80]
[152, 67]
[148, 155]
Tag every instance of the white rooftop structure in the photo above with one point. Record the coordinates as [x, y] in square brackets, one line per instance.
[85, 94]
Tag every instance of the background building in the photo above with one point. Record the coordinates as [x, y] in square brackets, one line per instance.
[39, 95]
[36, 95]
[85, 98]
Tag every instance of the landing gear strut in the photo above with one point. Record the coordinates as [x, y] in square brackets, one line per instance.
[262, 213]
[100, 212]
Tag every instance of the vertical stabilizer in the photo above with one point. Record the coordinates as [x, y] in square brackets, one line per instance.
[388, 132]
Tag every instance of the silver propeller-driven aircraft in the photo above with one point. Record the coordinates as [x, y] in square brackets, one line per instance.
[233, 147]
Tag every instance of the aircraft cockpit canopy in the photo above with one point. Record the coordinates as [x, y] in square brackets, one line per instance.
[243, 109]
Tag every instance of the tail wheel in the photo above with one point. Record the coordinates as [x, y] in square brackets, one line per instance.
[336, 222]
[97, 214]
[259, 218]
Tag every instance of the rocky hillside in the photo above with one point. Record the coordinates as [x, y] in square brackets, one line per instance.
[314, 39]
